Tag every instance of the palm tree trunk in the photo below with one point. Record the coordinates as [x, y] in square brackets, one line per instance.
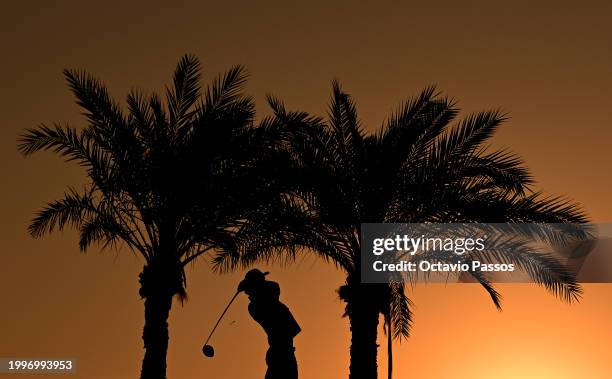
[160, 280]
[389, 348]
[363, 317]
[155, 336]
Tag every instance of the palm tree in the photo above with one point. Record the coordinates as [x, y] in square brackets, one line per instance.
[167, 181]
[416, 169]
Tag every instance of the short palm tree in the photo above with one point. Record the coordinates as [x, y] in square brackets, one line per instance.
[416, 169]
[167, 180]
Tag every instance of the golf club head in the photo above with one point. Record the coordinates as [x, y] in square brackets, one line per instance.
[208, 351]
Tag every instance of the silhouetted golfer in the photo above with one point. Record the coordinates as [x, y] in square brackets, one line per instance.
[277, 321]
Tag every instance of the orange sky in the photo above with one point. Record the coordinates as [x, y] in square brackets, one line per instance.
[548, 64]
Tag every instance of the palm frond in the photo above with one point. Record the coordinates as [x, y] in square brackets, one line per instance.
[225, 90]
[140, 116]
[402, 120]
[468, 136]
[67, 142]
[347, 130]
[185, 91]
[409, 131]
[73, 209]
[544, 268]
[103, 113]
[488, 286]
[160, 117]
[400, 309]
[498, 170]
[63, 140]
[101, 228]
[275, 234]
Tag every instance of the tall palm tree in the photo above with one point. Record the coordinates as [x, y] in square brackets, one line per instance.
[416, 169]
[167, 180]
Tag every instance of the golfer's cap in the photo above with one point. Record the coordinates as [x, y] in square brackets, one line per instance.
[255, 275]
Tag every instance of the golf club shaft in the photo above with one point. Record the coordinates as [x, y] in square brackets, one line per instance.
[221, 317]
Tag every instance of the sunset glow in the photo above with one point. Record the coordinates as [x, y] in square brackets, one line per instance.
[547, 64]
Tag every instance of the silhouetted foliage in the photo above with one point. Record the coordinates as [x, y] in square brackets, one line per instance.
[418, 168]
[170, 180]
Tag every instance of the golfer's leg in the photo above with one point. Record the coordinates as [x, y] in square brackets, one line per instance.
[281, 364]
[270, 363]
[292, 367]
[274, 372]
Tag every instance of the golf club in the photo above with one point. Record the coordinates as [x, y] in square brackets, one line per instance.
[207, 349]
